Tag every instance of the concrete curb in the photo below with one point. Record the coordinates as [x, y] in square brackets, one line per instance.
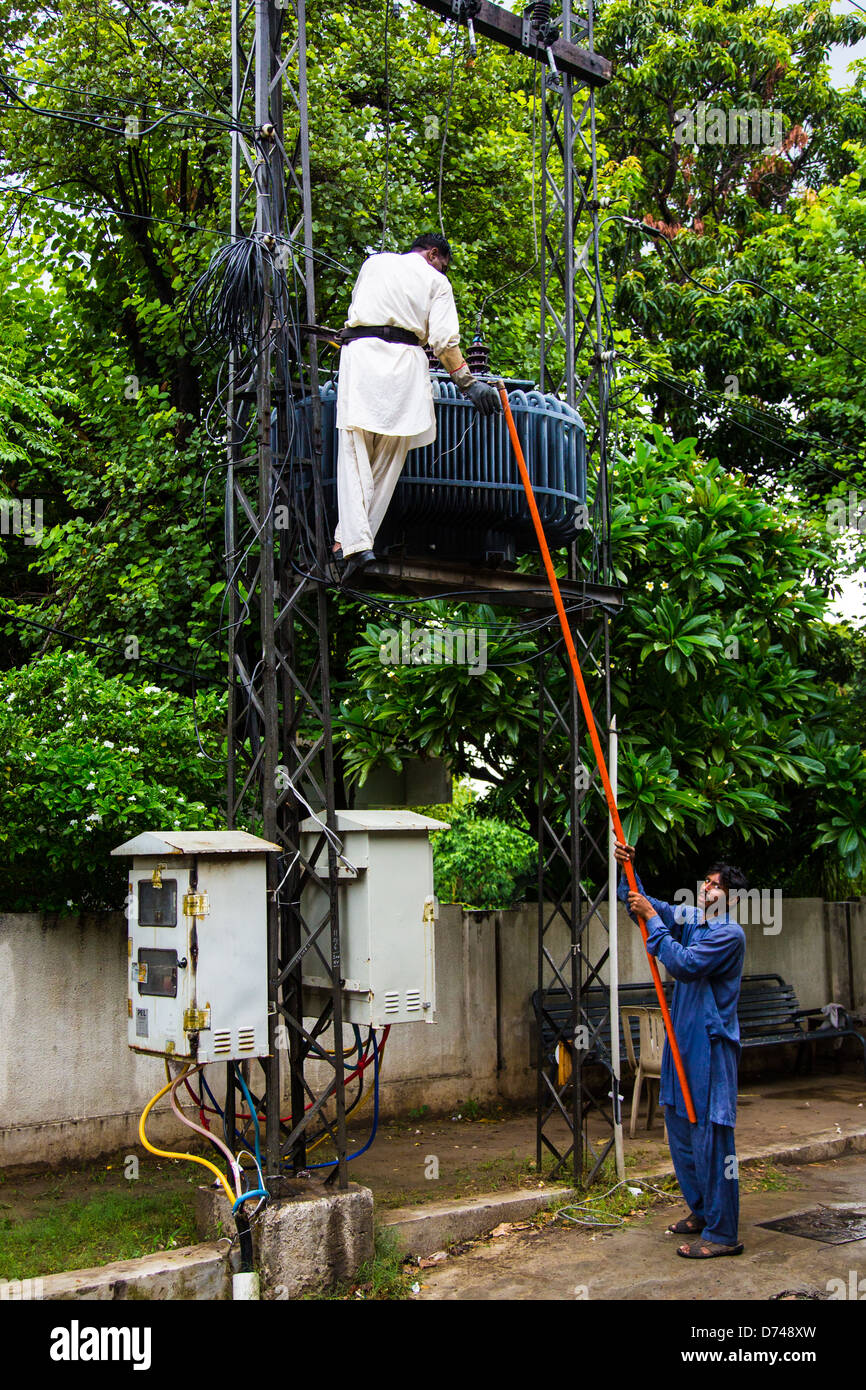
[193, 1272]
[436, 1225]
[423, 1230]
[813, 1151]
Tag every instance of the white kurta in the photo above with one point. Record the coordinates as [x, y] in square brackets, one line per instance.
[385, 387]
[384, 398]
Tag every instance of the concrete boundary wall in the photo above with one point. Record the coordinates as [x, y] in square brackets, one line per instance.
[70, 1088]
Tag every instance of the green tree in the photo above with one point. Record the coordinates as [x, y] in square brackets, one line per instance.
[104, 401]
[732, 734]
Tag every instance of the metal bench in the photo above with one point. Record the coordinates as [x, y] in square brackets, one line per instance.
[768, 1013]
[553, 1019]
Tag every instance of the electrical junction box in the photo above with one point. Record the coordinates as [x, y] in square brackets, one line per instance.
[198, 930]
[387, 917]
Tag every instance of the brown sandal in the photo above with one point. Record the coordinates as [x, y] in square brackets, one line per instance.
[689, 1226]
[706, 1250]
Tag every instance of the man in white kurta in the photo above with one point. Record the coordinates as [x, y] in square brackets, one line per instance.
[385, 398]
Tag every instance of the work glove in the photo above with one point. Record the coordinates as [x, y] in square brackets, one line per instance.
[484, 398]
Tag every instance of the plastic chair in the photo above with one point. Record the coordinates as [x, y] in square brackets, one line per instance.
[649, 1068]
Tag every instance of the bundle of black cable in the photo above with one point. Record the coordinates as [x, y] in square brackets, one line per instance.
[226, 303]
[245, 1237]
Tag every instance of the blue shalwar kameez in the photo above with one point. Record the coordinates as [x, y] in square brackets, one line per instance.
[706, 961]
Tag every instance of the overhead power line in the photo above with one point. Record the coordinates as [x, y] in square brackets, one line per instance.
[115, 98]
[6, 616]
[705, 400]
[663, 238]
[70, 206]
[72, 118]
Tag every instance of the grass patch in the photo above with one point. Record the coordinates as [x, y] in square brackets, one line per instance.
[387, 1276]
[599, 1206]
[82, 1232]
[763, 1177]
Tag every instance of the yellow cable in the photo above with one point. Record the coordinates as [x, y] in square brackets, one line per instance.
[164, 1153]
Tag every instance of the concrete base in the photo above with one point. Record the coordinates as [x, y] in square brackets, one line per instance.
[308, 1238]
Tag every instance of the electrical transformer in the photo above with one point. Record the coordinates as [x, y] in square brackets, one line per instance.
[197, 910]
[387, 916]
[461, 496]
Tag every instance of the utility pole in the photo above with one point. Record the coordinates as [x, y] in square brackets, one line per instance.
[277, 610]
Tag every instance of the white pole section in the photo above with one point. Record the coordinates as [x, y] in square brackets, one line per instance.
[613, 947]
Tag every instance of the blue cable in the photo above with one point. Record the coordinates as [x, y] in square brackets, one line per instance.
[257, 1192]
[239, 1137]
[334, 1161]
[240, 1076]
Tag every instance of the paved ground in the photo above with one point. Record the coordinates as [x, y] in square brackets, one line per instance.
[639, 1261]
[494, 1150]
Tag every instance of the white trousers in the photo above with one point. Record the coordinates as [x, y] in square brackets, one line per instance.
[368, 469]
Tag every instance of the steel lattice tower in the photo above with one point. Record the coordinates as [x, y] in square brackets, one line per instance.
[281, 759]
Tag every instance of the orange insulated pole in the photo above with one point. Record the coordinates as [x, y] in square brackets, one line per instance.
[596, 745]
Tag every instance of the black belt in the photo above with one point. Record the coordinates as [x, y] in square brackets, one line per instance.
[385, 331]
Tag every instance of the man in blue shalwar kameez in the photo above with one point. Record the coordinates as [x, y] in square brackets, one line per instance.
[703, 949]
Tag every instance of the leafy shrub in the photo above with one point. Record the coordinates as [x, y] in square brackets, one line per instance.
[482, 863]
[86, 762]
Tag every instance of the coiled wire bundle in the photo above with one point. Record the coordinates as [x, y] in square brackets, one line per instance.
[226, 303]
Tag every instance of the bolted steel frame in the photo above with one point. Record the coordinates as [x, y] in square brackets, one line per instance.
[280, 728]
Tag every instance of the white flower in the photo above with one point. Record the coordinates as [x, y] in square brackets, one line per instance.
[91, 787]
[94, 816]
[10, 698]
[106, 743]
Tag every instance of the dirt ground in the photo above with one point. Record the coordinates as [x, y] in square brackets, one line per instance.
[638, 1262]
[496, 1149]
[479, 1149]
